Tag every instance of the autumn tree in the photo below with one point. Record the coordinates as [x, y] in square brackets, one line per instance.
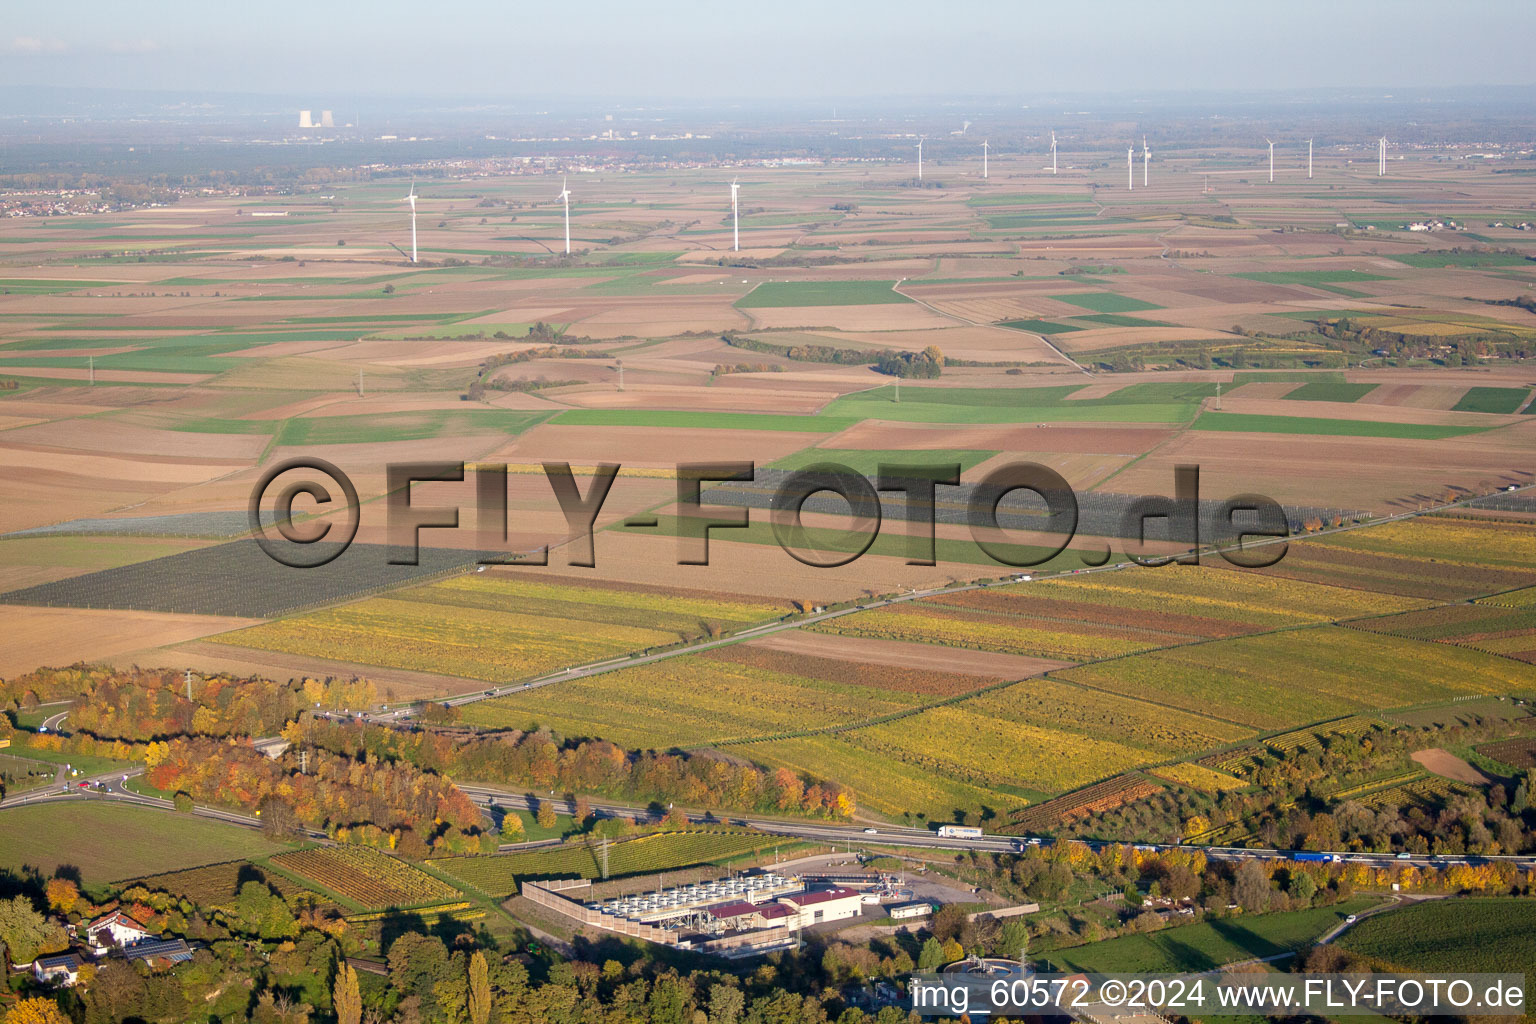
[62, 894]
[36, 1011]
[479, 990]
[546, 815]
[346, 999]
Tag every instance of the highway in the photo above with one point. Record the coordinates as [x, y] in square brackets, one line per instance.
[918, 838]
[113, 786]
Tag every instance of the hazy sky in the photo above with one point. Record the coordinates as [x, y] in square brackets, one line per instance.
[770, 48]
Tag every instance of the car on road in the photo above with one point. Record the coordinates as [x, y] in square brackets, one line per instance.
[83, 785]
[871, 831]
[1351, 919]
[1404, 856]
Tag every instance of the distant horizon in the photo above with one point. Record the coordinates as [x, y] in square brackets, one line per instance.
[791, 50]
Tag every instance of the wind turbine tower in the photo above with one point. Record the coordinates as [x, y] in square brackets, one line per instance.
[565, 194]
[411, 198]
[1053, 152]
[1309, 159]
[1271, 160]
[1146, 159]
[735, 217]
[1130, 169]
[919, 159]
[1381, 158]
[983, 159]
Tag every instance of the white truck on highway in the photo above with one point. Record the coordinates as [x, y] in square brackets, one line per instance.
[959, 832]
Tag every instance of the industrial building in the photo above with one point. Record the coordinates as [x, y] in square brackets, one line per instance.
[729, 917]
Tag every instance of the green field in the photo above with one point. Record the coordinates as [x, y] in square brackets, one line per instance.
[1312, 277]
[87, 764]
[1105, 302]
[867, 461]
[1463, 935]
[110, 841]
[404, 426]
[1255, 423]
[1433, 260]
[1040, 326]
[499, 875]
[1494, 400]
[1209, 944]
[1137, 403]
[772, 294]
[1327, 391]
[702, 420]
[1118, 320]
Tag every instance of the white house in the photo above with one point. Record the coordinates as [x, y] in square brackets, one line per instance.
[114, 929]
[63, 969]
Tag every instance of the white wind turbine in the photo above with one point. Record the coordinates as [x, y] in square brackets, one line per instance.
[919, 158]
[735, 217]
[1053, 152]
[411, 198]
[565, 194]
[1146, 159]
[1130, 169]
[1381, 158]
[1309, 159]
[984, 158]
[1271, 160]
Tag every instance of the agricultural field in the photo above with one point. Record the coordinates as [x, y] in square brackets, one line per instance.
[1102, 796]
[1329, 391]
[1435, 559]
[1519, 752]
[1106, 302]
[499, 875]
[158, 380]
[1198, 776]
[1345, 670]
[1470, 934]
[364, 877]
[728, 694]
[1492, 400]
[821, 293]
[1109, 615]
[1485, 627]
[1258, 423]
[883, 784]
[1209, 944]
[197, 581]
[502, 628]
[217, 885]
[47, 837]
